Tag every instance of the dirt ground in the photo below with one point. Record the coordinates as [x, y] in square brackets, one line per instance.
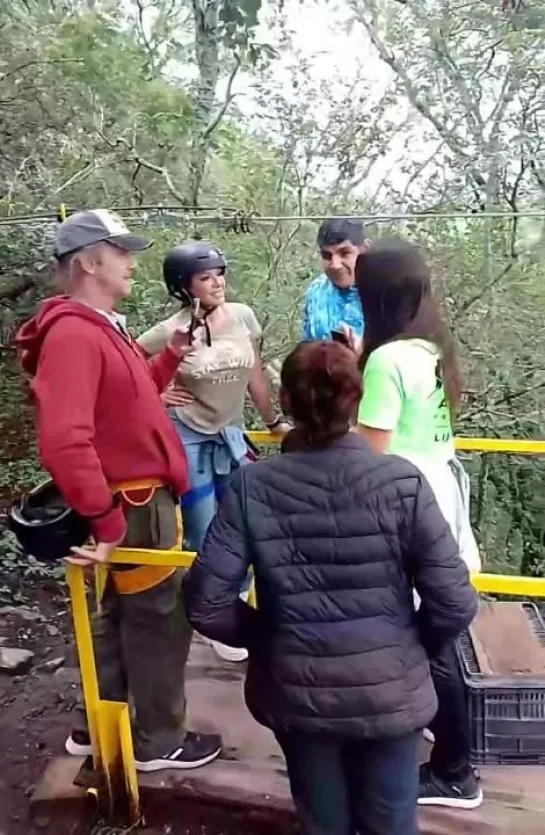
[35, 718]
[34, 708]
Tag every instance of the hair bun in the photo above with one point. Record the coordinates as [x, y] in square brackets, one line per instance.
[324, 386]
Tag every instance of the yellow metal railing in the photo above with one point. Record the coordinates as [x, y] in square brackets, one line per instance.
[506, 446]
[109, 722]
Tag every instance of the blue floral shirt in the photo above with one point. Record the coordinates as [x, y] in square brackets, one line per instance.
[327, 307]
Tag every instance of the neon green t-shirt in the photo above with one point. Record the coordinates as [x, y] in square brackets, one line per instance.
[403, 393]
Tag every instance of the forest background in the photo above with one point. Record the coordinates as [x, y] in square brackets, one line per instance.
[245, 122]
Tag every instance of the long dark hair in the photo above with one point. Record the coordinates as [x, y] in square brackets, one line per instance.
[321, 389]
[394, 285]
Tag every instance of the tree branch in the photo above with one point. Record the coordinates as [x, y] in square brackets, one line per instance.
[141, 162]
[450, 67]
[151, 51]
[413, 95]
[45, 62]
[229, 96]
[489, 285]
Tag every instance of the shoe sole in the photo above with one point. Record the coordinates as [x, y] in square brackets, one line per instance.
[76, 750]
[453, 802]
[231, 658]
[232, 654]
[167, 765]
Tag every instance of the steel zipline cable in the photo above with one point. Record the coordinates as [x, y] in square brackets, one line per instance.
[241, 221]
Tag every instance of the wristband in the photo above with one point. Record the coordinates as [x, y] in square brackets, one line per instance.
[276, 422]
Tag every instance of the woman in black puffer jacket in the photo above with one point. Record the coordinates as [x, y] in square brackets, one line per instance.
[338, 538]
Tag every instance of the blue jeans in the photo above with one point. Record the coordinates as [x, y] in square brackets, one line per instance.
[344, 787]
[210, 466]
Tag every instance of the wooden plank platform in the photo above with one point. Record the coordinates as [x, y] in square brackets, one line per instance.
[251, 773]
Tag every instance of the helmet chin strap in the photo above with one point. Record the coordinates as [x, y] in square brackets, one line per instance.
[200, 321]
[197, 320]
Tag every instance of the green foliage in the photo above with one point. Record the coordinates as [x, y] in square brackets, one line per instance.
[101, 105]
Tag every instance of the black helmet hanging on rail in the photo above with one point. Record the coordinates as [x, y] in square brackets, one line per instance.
[183, 262]
[45, 527]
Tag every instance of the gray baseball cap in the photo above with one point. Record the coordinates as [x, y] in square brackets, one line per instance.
[91, 227]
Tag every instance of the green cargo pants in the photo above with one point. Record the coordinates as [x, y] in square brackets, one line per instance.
[142, 640]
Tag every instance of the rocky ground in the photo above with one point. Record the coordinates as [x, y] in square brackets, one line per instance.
[38, 692]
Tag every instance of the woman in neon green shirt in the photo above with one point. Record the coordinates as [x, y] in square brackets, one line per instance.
[411, 392]
[411, 378]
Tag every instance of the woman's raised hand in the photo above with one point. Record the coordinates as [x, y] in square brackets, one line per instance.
[181, 341]
[354, 342]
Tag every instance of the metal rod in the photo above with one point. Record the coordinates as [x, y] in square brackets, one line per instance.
[226, 215]
[84, 643]
[513, 585]
[155, 207]
[507, 446]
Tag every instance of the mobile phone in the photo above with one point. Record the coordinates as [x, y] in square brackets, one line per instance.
[195, 322]
[195, 307]
[340, 336]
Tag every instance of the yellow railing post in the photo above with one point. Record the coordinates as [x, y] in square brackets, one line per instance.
[252, 599]
[108, 722]
[101, 573]
[84, 643]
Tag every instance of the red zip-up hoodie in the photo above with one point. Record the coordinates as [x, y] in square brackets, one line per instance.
[100, 419]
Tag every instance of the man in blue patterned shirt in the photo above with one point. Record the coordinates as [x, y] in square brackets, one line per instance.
[332, 301]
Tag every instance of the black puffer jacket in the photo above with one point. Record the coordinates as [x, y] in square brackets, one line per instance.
[337, 539]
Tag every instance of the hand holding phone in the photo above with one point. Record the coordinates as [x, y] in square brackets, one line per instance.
[338, 335]
[346, 336]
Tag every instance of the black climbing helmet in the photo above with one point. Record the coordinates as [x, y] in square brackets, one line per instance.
[183, 262]
[45, 527]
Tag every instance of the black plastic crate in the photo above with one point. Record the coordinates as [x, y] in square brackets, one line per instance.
[507, 716]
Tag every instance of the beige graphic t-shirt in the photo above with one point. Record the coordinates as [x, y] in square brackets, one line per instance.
[217, 375]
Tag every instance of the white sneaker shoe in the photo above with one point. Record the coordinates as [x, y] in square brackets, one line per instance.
[428, 736]
[78, 744]
[233, 654]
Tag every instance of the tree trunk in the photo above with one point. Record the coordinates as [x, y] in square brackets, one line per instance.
[207, 50]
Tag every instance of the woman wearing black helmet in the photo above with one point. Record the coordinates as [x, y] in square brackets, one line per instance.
[207, 399]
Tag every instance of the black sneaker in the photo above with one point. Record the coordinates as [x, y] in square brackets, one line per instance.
[197, 750]
[461, 794]
[78, 744]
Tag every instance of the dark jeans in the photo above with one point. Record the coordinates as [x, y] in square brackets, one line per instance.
[450, 754]
[344, 787]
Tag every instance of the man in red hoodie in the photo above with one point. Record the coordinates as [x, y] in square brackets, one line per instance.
[109, 445]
